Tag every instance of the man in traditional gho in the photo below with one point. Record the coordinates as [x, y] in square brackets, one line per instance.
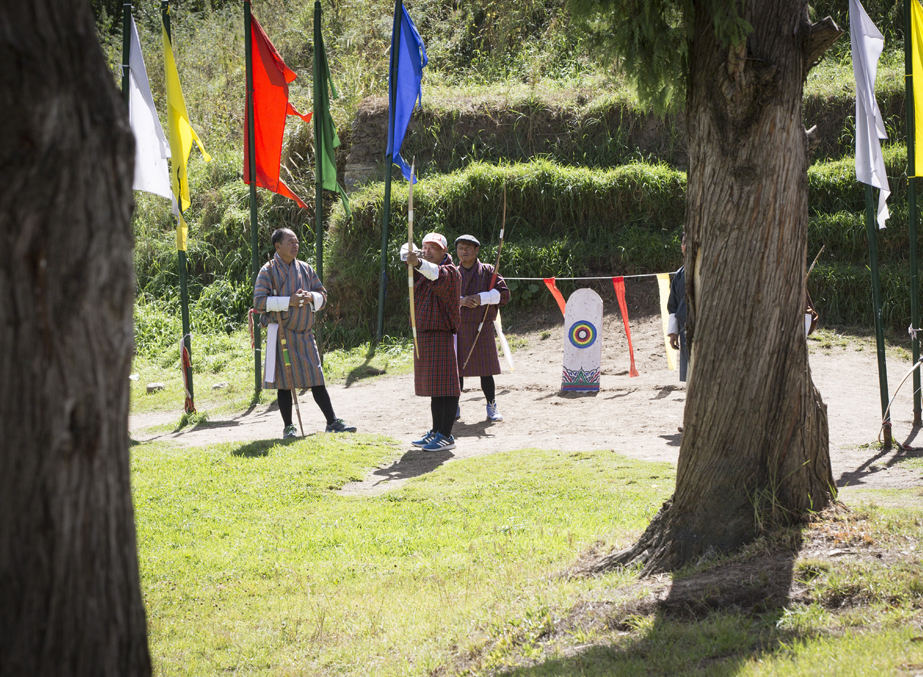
[288, 293]
[436, 290]
[676, 306]
[476, 292]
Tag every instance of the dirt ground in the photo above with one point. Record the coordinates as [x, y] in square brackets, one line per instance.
[638, 417]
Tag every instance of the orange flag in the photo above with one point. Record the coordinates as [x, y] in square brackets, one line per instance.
[270, 108]
[549, 282]
[619, 284]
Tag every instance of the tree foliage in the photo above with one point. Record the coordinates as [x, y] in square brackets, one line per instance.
[649, 40]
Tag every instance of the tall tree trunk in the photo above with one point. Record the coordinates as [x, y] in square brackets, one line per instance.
[755, 441]
[70, 597]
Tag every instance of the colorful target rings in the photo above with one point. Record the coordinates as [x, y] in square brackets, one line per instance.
[582, 334]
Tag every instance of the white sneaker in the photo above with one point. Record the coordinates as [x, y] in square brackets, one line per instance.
[493, 413]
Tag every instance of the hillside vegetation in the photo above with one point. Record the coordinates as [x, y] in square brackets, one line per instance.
[516, 95]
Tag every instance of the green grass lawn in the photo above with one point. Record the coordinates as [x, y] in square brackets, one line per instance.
[252, 563]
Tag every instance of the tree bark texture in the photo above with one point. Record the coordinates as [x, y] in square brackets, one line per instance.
[755, 442]
[70, 596]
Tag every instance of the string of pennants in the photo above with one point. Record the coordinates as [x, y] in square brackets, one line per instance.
[618, 284]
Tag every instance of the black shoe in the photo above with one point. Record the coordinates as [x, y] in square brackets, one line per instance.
[339, 426]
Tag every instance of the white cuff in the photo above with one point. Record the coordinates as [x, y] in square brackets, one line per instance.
[490, 298]
[428, 270]
[277, 304]
[672, 325]
[318, 300]
[404, 251]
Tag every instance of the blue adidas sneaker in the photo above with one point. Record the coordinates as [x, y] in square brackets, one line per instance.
[426, 439]
[440, 443]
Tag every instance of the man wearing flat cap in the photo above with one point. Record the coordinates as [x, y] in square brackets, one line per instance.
[476, 293]
[436, 290]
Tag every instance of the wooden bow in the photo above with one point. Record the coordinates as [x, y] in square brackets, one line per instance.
[413, 315]
[493, 279]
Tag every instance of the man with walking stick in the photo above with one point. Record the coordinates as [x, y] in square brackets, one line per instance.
[482, 293]
[288, 293]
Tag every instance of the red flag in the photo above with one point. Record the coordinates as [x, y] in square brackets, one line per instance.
[270, 108]
[549, 282]
[619, 284]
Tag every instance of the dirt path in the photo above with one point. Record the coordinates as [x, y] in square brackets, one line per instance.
[637, 416]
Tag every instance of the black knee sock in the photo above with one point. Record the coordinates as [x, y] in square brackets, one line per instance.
[436, 410]
[322, 397]
[284, 399]
[489, 388]
[444, 414]
[461, 383]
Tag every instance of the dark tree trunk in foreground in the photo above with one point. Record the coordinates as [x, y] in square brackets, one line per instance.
[755, 446]
[70, 597]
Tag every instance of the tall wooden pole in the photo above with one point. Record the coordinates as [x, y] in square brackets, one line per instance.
[254, 218]
[389, 162]
[912, 212]
[181, 256]
[871, 227]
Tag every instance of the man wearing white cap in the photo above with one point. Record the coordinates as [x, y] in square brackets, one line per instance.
[436, 290]
[477, 292]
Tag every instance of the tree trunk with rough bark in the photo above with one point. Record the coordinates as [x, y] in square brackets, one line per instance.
[755, 443]
[70, 596]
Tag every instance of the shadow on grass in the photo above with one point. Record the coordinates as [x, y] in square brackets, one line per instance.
[710, 622]
[364, 370]
[884, 458]
[412, 464]
[261, 448]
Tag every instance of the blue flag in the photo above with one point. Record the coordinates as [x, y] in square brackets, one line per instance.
[404, 89]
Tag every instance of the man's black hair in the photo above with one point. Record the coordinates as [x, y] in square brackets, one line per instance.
[278, 234]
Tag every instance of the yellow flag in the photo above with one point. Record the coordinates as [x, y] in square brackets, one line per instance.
[916, 69]
[663, 284]
[181, 132]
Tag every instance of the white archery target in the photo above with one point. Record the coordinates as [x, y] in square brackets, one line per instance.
[583, 319]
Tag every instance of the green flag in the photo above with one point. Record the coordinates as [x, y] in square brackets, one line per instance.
[325, 136]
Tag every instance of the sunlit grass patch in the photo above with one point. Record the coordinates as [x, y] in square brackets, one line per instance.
[251, 561]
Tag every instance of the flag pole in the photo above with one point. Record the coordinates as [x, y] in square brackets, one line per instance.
[319, 81]
[126, 51]
[254, 220]
[181, 256]
[912, 216]
[389, 162]
[871, 228]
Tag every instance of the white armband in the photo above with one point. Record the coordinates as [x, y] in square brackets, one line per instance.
[490, 298]
[404, 251]
[428, 270]
[318, 300]
[277, 304]
[672, 324]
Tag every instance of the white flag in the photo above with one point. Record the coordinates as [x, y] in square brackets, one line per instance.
[152, 171]
[867, 44]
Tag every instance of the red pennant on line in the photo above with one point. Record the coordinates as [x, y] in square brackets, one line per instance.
[558, 296]
[619, 284]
